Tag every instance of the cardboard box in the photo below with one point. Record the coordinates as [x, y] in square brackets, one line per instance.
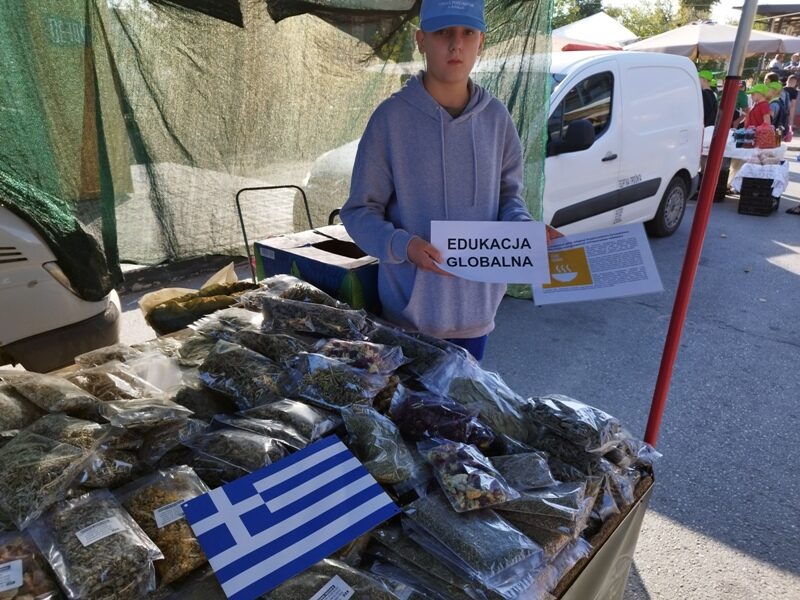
[325, 257]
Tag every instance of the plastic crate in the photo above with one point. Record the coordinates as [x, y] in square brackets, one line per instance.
[755, 197]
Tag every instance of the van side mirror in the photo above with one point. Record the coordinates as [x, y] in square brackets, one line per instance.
[579, 136]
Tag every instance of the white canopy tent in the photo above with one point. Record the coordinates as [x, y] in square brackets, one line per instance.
[600, 28]
[707, 39]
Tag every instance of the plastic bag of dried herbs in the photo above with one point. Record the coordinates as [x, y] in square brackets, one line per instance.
[247, 377]
[109, 468]
[632, 453]
[70, 430]
[377, 443]
[587, 427]
[288, 288]
[223, 324]
[373, 358]
[143, 414]
[309, 582]
[199, 398]
[309, 421]
[554, 509]
[291, 439]
[479, 543]
[96, 549]
[421, 415]
[570, 556]
[422, 356]
[15, 411]
[36, 472]
[118, 352]
[200, 585]
[279, 347]
[227, 454]
[465, 382]
[51, 393]
[194, 349]
[160, 440]
[24, 574]
[525, 471]
[155, 502]
[332, 384]
[552, 542]
[402, 584]
[466, 476]
[113, 381]
[304, 317]
[166, 346]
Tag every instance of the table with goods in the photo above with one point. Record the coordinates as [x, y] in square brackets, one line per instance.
[502, 496]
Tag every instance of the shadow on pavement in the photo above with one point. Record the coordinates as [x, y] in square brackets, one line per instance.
[636, 589]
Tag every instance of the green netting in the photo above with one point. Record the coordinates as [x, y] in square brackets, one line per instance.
[142, 119]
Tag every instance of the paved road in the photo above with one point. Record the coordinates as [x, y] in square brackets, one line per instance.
[723, 522]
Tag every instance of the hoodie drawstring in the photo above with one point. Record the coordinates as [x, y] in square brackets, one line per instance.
[474, 163]
[444, 168]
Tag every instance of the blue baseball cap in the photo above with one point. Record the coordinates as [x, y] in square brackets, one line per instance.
[438, 14]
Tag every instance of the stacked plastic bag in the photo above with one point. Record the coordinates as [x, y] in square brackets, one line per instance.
[501, 495]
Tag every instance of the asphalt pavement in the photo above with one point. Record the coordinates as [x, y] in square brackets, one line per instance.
[723, 521]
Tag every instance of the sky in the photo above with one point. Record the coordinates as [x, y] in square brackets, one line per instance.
[722, 12]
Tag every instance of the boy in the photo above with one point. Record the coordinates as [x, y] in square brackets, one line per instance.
[442, 148]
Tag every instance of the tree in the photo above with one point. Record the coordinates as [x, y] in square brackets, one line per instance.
[569, 11]
[646, 20]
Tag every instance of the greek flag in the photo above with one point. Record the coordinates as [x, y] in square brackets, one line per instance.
[274, 523]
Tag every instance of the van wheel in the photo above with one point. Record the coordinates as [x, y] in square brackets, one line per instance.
[671, 210]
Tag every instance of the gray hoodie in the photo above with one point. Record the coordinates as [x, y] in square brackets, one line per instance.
[416, 164]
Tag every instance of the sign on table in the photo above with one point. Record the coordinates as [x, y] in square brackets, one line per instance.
[493, 251]
[602, 264]
[274, 523]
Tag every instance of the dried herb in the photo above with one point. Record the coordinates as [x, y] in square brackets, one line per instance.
[275, 346]
[15, 411]
[225, 323]
[109, 468]
[423, 356]
[480, 542]
[113, 381]
[36, 472]
[116, 352]
[330, 383]
[195, 349]
[285, 434]
[290, 315]
[68, 430]
[377, 443]
[200, 399]
[468, 479]
[160, 440]
[37, 584]
[424, 415]
[143, 414]
[309, 421]
[247, 377]
[96, 550]
[227, 454]
[632, 453]
[308, 583]
[154, 503]
[51, 393]
[551, 541]
[373, 358]
[526, 471]
[288, 288]
[586, 427]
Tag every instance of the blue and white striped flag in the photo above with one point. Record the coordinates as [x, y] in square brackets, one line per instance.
[274, 523]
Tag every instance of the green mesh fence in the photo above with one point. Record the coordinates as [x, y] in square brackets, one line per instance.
[135, 122]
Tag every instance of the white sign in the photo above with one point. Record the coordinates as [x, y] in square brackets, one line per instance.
[608, 263]
[169, 513]
[335, 589]
[493, 251]
[11, 576]
[98, 531]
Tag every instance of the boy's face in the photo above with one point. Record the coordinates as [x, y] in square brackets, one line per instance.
[451, 52]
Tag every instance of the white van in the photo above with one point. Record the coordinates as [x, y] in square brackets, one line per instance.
[44, 324]
[624, 141]
[637, 158]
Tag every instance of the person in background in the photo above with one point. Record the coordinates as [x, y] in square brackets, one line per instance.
[790, 91]
[794, 64]
[709, 98]
[759, 113]
[742, 105]
[777, 106]
[776, 64]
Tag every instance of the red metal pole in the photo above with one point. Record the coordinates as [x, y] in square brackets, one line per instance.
[700, 223]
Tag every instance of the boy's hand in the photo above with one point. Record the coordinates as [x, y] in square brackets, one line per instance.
[552, 234]
[425, 256]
